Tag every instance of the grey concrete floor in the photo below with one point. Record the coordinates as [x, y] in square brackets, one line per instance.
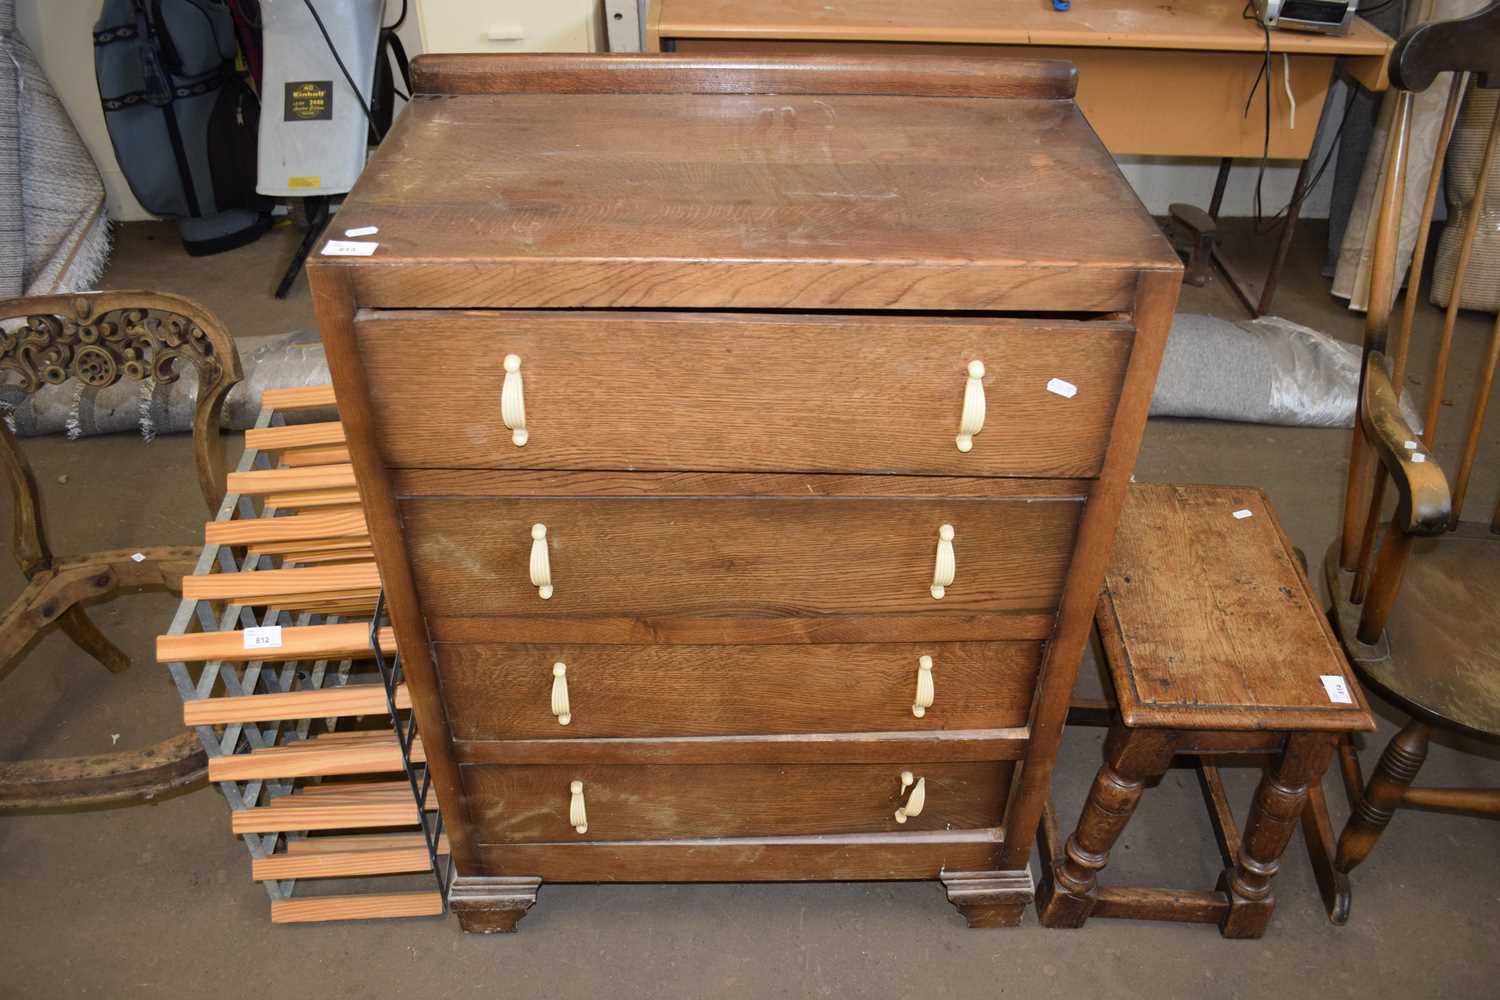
[157, 901]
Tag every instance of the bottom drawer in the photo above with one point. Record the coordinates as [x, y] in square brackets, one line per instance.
[660, 802]
[750, 859]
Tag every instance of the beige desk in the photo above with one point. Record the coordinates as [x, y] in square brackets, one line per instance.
[1154, 79]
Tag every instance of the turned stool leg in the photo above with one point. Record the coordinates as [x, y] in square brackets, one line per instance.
[1274, 814]
[1131, 758]
[1398, 765]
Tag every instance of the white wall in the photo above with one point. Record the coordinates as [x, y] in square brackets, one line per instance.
[60, 34]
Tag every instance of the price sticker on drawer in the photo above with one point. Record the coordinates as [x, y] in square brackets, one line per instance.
[263, 637]
[1338, 690]
[348, 248]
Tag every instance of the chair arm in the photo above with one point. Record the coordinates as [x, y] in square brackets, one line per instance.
[1423, 501]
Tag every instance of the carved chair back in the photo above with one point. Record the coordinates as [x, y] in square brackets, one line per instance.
[1384, 449]
[101, 338]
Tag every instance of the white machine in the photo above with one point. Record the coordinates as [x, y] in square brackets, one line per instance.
[314, 125]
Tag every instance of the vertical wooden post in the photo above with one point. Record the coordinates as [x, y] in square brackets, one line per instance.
[1274, 815]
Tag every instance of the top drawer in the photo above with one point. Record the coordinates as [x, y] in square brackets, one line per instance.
[741, 393]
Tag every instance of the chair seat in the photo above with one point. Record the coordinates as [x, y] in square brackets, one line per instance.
[1444, 632]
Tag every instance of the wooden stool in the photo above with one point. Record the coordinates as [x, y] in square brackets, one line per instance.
[1215, 645]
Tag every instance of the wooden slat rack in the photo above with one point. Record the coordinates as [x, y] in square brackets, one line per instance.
[310, 740]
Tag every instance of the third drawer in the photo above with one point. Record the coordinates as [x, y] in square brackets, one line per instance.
[519, 691]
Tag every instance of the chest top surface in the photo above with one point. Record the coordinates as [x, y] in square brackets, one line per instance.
[746, 201]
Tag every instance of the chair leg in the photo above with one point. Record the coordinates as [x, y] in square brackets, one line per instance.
[86, 636]
[1398, 765]
[1317, 831]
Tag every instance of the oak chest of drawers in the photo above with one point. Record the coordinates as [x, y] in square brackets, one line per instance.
[743, 442]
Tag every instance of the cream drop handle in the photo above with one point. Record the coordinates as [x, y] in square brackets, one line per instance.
[541, 564]
[971, 421]
[916, 800]
[578, 817]
[560, 704]
[513, 401]
[925, 692]
[942, 573]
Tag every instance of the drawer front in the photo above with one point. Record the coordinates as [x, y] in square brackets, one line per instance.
[622, 802]
[730, 393]
[501, 692]
[732, 556]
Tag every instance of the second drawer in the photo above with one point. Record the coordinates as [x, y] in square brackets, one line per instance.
[520, 691]
[541, 803]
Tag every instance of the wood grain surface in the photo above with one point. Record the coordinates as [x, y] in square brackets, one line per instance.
[695, 391]
[899, 747]
[622, 73]
[1208, 622]
[486, 483]
[520, 804]
[1203, 25]
[746, 202]
[736, 557]
[315, 909]
[759, 859]
[504, 691]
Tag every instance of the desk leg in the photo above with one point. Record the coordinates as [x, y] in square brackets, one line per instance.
[1284, 243]
[1132, 757]
[1273, 818]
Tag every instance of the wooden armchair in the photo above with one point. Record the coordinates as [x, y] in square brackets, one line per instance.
[101, 338]
[1417, 597]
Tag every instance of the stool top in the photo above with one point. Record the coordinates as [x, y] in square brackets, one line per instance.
[1208, 622]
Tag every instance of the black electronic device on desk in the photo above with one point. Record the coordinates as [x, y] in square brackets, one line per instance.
[1328, 17]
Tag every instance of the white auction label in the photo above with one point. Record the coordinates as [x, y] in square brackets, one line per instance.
[348, 248]
[138, 557]
[1242, 513]
[362, 231]
[263, 637]
[1338, 691]
[1062, 387]
[1418, 457]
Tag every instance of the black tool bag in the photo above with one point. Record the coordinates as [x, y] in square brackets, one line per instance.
[182, 119]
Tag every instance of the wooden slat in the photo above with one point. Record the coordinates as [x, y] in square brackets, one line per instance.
[372, 907]
[361, 602]
[363, 699]
[360, 842]
[345, 811]
[312, 498]
[286, 529]
[352, 555]
[332, 581]
[303, 642]
[305, 397]
[324, 545]
[349, 791]
[295, 436]
[319, 455]
[308, 760]
[389, 861]
[319, 477]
